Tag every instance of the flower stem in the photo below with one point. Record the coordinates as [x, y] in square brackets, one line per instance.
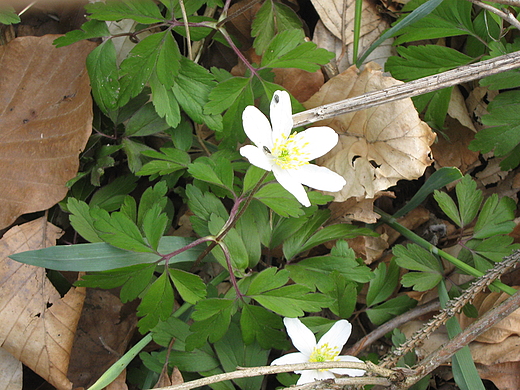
[392, 222]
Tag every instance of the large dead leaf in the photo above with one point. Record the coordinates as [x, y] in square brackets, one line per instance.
[377, 146]
[45, 122]
[335, 31]
[37, 325]
[11, 369]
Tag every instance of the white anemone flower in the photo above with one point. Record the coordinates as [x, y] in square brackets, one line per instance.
[326, 350]
[288, 154]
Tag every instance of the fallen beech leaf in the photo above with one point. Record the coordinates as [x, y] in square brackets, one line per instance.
[45, 122]
[457, 109]
[377, 146]
[11, 369]
[504, 375]
[37, 324]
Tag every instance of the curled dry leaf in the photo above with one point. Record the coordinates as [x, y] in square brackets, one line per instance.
[37, 324]
[45, 122]
[378, 146]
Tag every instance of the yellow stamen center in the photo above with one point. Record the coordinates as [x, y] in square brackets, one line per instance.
[288, 152]
[324, 354]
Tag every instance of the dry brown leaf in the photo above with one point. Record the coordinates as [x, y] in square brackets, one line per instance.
[102, 336]
[37, 324]
[377, 146]
[45, 122]
[11, 369]
[504, 375]
[356, 209]
[457, 109]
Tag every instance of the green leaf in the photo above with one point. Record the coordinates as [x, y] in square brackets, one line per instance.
[191, 89]
[268, 279]
[111, 196]
[8, 15]
[293, 300]
[205, 204]
[155, 222]
[134, 149]
[212, 318]
[156, 304]
[496, 217]
[278, 199]
[469, 199]
[104, 76]
[383, 284]
[118, 230]
[233, 353]
[390, 309]
[82, 220]
[492, 249]
[233, 242]
[262, 325]
[190, 287]
[448, 206]
[232, 130]
[152, 196]
[102, 256]
[142, 11]
[165, 102]
[158, 55]
[253, 227]
[447, 20]
[167, 161]
[145, 122]
[213, 170]
[134, 280]
[225, 94]
[437, 180]
[272, 18]
[90, 29]
[288, 49]
[415, 258]
[343, 294]
[421, 61]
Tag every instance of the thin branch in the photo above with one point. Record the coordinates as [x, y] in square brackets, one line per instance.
[513, 3]
[186, 27]
[413, 88]
[506, 15]
[266, 370]
[445, 352]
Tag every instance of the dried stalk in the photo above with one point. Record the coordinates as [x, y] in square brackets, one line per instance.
[444, 353]
[413, 88]
[453, 307]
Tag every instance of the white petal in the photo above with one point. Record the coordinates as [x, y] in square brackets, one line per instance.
[257, 156]
[291, 184]
[317, 141]
[301, 336]
[337, 336]
[281, 114]
[257, 127]
[320, 178]
[348, 371]
[309, 376]
[290, 358]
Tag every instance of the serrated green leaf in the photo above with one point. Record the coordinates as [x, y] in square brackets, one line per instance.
[268, 279]
[8, 15]
[157, 55]
[204, 204]
[152, 196]
[253, 227]
[213, 170]
[167, 161]
[496, 217]
[134, 150]
[101, 256]
[421, 61]
[129, 208]
[343, 294]
[492, 249]
[104, 76]
[272, 18]
[503, 134]
[190, 287]
[278, 199]
[212, 318]
[225, 94]
[421, 281]
[90, 29]
[233, 353]
[142, 11]
[155, 222]
[292, 301]
[262, 325]
[118, 230]
[111, 196]
[145, 122]
[383, 284]
[415, 258]
[82, 220]
[448, 206]
[234, 243]
[156, 303]
[136, 283]
[390, 309]
[469, 200]
[165, 102]
[191, 89]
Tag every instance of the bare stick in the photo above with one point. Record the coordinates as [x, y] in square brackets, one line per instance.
[265, 370]
[444, 353]
[413, 88]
